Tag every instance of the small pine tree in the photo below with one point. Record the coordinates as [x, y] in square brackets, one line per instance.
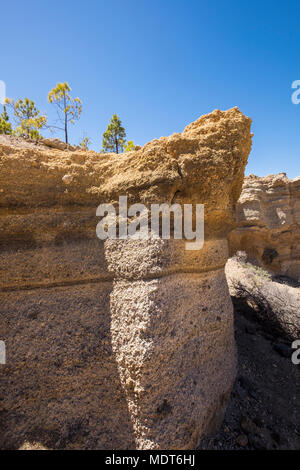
[28, 118]
[69, 109]
[85, 143]
[114, 137]
[5, 125]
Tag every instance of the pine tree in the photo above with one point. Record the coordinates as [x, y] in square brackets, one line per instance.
[69, 108]
[5, 125]
[85, 143]
[28, 118]
[114, 137]
[129, 146]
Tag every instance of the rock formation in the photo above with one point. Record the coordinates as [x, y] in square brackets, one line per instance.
[123, 343]
[276, 303]
[57, 144]
[268, 217]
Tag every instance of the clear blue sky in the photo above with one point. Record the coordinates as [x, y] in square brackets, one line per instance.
[160, 64]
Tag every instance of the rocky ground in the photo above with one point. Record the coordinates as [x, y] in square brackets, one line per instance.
[264, 409]
[19, 142]
[26, 143]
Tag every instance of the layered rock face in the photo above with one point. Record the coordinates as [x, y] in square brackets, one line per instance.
[268, 217]
[123, 343]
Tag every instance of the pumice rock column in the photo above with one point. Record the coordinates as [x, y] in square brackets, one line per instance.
[119, 344]
[172, 336]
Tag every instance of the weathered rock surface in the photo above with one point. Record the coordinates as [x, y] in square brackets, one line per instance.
[117, 344]
[268, 216]
[58, 144]
[55, 143]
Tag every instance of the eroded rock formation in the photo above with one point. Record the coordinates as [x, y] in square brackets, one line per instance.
[268, 217]
[117, 344]
[276, 303]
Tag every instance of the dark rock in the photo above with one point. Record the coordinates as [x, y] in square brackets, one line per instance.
[283, 350]
[268, 336]
[242, 440]
[277, 438]
[247, 385]
[269, 255]
[258, 421]
[248, 426]
[251, 329]
[256, 442]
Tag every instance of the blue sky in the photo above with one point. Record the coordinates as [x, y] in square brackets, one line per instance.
[160, 64]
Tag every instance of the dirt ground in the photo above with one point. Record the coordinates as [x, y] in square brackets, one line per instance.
[264, 410]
